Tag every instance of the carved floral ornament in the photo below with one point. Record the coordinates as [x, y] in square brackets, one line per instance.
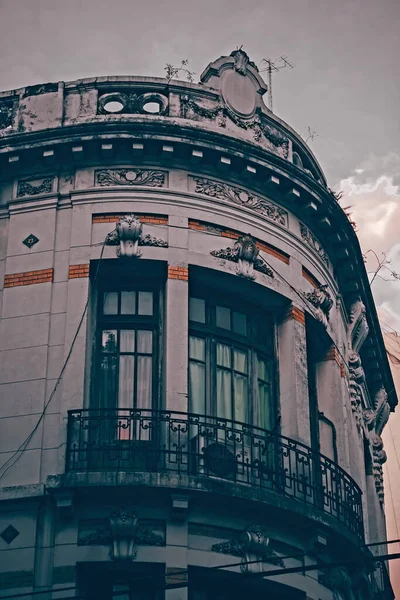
[223, 191]
[132, 177]
[245, 253]
[128, 236]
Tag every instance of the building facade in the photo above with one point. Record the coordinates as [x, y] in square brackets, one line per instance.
[193, 378]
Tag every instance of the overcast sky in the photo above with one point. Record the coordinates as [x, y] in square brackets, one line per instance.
[345, 84]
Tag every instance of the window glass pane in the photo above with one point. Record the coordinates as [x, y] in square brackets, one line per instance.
[128, 303]
[224, 394]
[126, 381]
[109, 340]
[264, 370]
[145, 303]
[144, 341]
[127, 340]
[326, 439]
[240, 390]
[223, 355]
[108, 380]
[223, 317]
[240, 361]
[110, 303]
[265, 406]
[239, 323]
[197, 348]
[144, 381]
[197, 387]
[197, 310]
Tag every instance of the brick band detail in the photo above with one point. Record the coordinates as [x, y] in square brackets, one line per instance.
[77, 271]
[234, 235]
[310, 277]
[28, 278]
[297, 314]
[114, 218]
[180, 273]
[333, 354]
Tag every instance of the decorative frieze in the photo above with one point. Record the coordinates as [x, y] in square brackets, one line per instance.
[322, 301]
[119, 103]
[312, 241]
[245, 253]
[128, 236]
[258, 125]
[131, 177]
[223, 191]
[35, 187]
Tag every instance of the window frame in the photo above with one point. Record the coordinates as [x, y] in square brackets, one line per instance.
[133, 322]
[247, 343]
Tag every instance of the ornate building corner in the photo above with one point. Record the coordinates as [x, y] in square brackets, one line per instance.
[245, 253]
[131, 177]
[128, 236]
[321, 299]
[123, 526]
[358, 326]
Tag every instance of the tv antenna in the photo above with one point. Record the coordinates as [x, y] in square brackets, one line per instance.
[274, 65]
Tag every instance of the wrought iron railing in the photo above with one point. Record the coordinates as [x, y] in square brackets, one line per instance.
[164, 441]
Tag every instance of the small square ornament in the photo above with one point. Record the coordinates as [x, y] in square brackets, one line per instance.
[9, 534]
[31, 240]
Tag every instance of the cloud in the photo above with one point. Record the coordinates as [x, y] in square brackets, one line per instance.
[372, 194]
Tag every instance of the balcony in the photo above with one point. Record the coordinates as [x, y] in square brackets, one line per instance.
[207, 447]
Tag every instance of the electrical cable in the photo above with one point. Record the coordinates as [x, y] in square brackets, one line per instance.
[184, 572]
[19, 452]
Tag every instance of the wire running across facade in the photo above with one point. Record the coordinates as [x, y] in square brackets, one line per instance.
[202, 446]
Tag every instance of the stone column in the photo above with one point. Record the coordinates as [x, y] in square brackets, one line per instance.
[176, 334]
[44, 547]
[293, 379]
[177, 545]
[330, 402]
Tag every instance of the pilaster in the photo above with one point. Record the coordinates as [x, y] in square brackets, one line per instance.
[295, 412]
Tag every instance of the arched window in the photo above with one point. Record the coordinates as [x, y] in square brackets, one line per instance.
[231, 361]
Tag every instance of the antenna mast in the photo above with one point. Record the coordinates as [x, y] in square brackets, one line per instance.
[274, 65]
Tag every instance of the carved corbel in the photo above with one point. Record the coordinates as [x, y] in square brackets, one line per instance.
[321, 299]
[245, 254]
[382, 410]
[255, 547]
[128, 236]
[123, 526]
[129, 230]
[379, 458]
[358, 326]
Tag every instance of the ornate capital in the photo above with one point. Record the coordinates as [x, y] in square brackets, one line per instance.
[123, 526]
